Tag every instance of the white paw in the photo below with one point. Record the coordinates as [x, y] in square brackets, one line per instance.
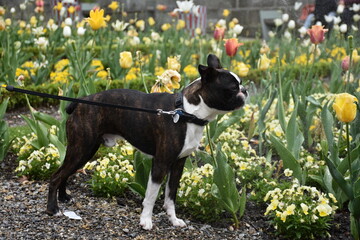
[177, 222]
[146, 223]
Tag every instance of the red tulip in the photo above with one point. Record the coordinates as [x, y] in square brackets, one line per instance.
[219, 33]
[317, 34]
[231, 46]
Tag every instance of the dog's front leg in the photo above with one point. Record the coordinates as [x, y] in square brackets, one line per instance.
[171, 191]
[151, 194]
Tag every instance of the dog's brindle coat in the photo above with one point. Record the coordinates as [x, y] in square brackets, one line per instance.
[217, 91]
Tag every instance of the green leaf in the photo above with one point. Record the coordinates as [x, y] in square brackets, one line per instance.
[142, 165]
[46, 118]
[58, 144]
[222, 126]
[3, 107]
[224, 187]
[242, 202]
[356, 188]
[288, 158]
[339, 178]
[328, 122]
[294, 136]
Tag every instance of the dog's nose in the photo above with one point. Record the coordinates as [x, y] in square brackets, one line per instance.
[243, 90]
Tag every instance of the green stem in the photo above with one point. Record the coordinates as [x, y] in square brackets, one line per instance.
[349, 153]
[236, 220]
[210, 144]
[351, 48]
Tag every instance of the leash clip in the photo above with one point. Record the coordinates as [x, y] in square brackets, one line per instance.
[175, 114]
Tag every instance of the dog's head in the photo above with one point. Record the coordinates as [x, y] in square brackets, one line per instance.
[220, 89]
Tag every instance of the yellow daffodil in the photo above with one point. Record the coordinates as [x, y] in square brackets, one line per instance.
[151, 21]
[96, 19]
[345, 107]
[226, 12]
[113, 5]
[126, 60]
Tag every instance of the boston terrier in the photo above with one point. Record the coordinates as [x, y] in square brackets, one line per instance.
[169, 138]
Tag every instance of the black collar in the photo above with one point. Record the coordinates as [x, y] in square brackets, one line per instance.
[184, 116]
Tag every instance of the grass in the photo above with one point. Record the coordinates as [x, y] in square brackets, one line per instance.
[19, 131]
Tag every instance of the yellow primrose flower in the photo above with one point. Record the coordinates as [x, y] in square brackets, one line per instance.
[324, 210]
[96, 19]
[113, 5]
[173, 63]
[345, 107]
[126, 60]
[305, 208]
[263, 62]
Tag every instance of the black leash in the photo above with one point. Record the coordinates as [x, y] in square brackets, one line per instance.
[177, 114]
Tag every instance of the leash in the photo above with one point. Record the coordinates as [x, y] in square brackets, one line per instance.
[177, 114]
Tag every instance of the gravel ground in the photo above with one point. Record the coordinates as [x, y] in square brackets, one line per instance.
[23, 216]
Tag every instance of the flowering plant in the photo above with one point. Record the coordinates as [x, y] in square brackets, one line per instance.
[300, 212]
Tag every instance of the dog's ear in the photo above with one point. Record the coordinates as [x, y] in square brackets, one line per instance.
[207, 73]
[213, 61]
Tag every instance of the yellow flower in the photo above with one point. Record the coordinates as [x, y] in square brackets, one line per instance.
[226, 12]
[140, 24]
[8, 22]
[240, 68]
[33, 21]
[190, 71]
[151, 21]
[165, 26]
[180, 25]
[96, 19]
[324, 210]
[355, 56]
[264, 62]
[58, 6]
[305, 208]
[71, 9]
[345, 107]
[173, 63]
[126, 60]
[113, 5]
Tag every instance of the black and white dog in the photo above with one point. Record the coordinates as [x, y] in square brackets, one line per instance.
[167, 139]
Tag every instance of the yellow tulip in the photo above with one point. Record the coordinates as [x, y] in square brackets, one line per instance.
[345, 107]
[242, 69]
[181, 24]
[355, 55]
[151, 21]
[96, 19]
[125, 60]
[165, 26]
[114, 5]
[58, 6]
[226, 12]
[71, 9]
[264, 62]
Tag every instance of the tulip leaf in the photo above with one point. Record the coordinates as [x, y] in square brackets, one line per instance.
[46, 118]
[328, 122]
[356, 188]
[224, 187]
[339, 179]
[288, 158]
[294, 136]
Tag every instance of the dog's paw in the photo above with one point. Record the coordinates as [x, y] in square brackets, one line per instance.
[65, 198]
[177, 222]
[146, 223]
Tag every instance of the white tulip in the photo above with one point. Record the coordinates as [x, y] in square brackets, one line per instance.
[42, 42]
[68, 21]
[343, 28]
[67, 31]
[291, 24]
[354, 28]
[356, 7]
[337, 20]
[285, 17]
[302, 31]
[278, 22]
[297, 5]
[22, 6]
[356, 17]
[12, 10]
[81, 31]
[340, 9]
[238, 29]
[329, 18]
[271, 34]
[287, 35]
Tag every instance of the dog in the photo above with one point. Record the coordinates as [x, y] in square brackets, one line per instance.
[169, 138]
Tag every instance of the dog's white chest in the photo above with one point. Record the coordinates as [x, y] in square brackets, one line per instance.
[192, 140]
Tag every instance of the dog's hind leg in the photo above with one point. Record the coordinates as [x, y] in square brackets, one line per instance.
[171, 190]
[76, 157]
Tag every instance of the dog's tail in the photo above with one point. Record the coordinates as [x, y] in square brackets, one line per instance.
[71, 107]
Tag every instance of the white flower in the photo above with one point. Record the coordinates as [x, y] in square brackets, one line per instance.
[355, 7]
[22, 6]
[285, 17]
[62, 11]
[195, 10]
[155, 36]
[297, 5]
[42, 42]
[68, 21]
[53, 27]
[67, 31]
[278, 22]
[271, 35]
[134, 41]
[37, 31]
[221, 23]
[329, 18]
[184, 6]
[340, 9]
[337, 20]
[287, 35]
[291, 24]
[47, 165]
[119, 25]
[12, 10]
[302, 31]
[343, 28]
[288, 172]
[356, 17]
[81, 31]
[354, 28]
[238, 29]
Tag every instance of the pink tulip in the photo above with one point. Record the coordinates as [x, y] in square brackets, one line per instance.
[219, 33]
[317, 34]
[345, 63]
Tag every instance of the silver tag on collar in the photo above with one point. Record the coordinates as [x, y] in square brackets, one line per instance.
[176, 117]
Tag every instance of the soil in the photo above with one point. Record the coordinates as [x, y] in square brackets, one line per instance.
[23, 203]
